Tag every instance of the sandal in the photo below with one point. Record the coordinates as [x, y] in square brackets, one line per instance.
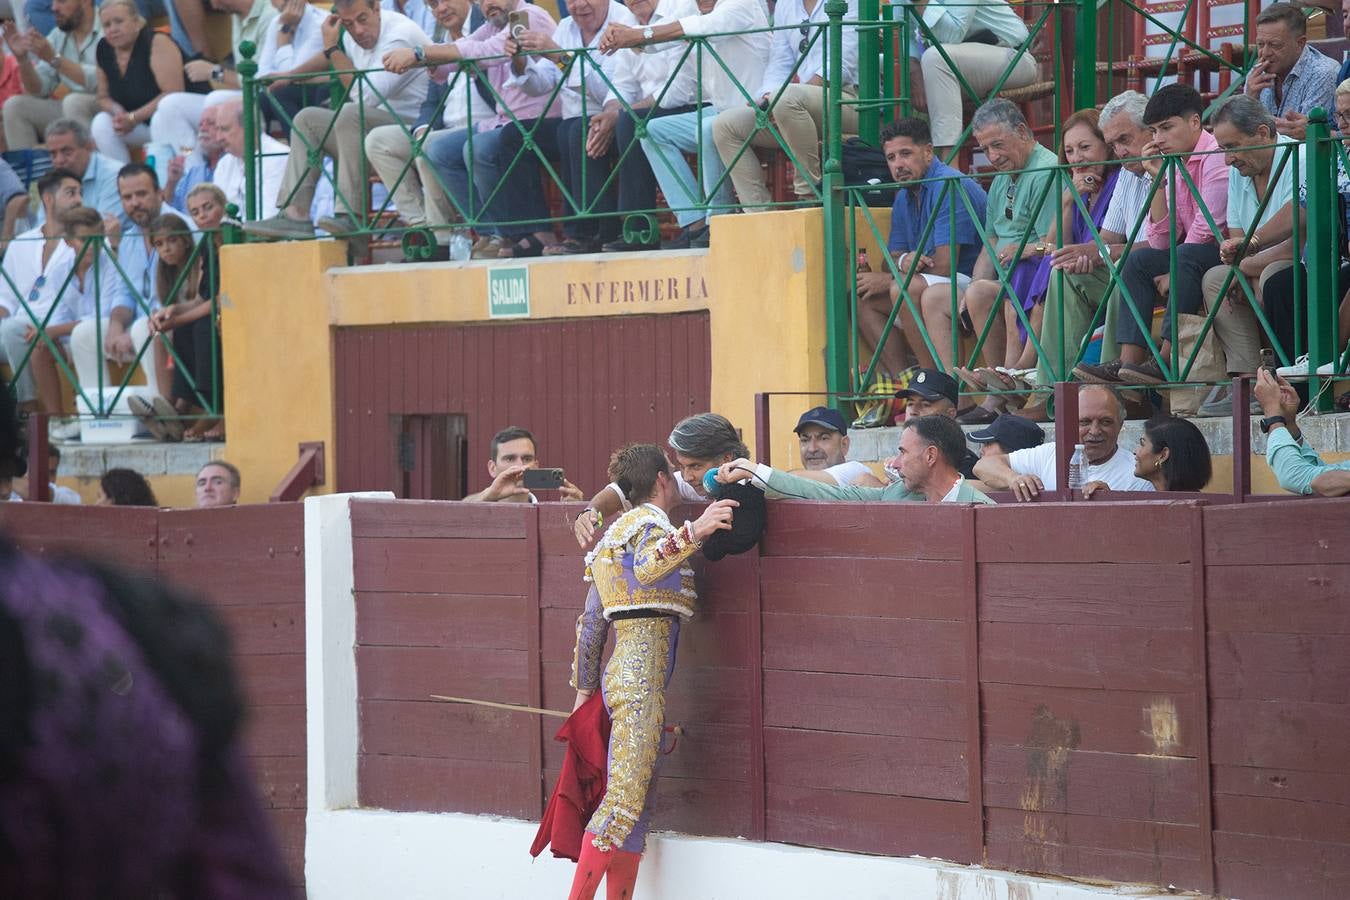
[487, 248]
[574, 247]
[971, 378]
[1004, 383]
[159, 418]
[522, 247]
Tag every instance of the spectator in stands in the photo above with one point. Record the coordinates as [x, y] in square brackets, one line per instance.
[229, 174]
[1295, 463]
[176, 117]
[218, 484]
[932, 392]
[792, 90]
[72, 150]
[1173, 115]
[451, 105]
[59, 493]
[584, 136]
[125, 487]
[1007, 434]
[199, 165]
[13, 204]
[1027, 472]
[741, 46]
[925, 469]
[822, 436]
[63, 61]
[1172, 456]
[356, 37]
[1290, 76]
[920, 239]
[513, 451]
[294, 35]
[982, 38]
[36, 267]
[137, 68]
[422, 13]
[187, 24]
[1021, 208]
[494, 197]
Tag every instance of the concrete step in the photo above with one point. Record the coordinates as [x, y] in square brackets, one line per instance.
[150, 458]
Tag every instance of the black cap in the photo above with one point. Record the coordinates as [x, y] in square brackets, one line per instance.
[825, 418]
[747, 522]
[930, 384]
[1011, 432]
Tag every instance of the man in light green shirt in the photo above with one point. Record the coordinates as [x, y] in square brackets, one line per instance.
[931, 448]
[1296, 465]
[58, 73]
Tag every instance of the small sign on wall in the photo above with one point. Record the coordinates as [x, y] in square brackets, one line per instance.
[508, 292]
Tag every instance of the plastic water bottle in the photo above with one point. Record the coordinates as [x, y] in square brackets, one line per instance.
[461, 247]
[1077, 466]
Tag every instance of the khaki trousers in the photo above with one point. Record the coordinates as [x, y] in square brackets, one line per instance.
[419, 197]
[980, 65]
[344, 142]
[797, 116]
[1235, 324]
[27, 117]
[1083, 293]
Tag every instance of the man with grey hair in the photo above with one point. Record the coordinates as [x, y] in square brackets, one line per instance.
[355, 38]
[71, 148]
[229, 174]
[1290, 77]
[60, 63]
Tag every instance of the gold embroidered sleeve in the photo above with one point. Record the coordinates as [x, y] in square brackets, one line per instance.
[656, 553]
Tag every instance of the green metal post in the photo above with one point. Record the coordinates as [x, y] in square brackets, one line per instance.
[248, 69]
[836, 267]
[1085, 55]
[1323, 253]
[869, 78]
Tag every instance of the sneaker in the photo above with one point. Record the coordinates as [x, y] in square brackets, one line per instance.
[63, 430]
[1107, 373]
[1146, 372]
[282, 227]
[1223, 407]
[339, 225]
[1300, 369]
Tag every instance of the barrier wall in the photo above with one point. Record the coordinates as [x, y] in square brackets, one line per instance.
[1141, 692]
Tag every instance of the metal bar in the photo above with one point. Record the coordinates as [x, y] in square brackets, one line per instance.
[1066, 430]
[248, 70]
[869, 78]
[1323, 254]
[836, 292]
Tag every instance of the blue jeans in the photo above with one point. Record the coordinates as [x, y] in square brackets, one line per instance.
[668, 139]
[521, 198]
[449, 155]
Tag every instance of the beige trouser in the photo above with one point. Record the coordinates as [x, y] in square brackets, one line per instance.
[1235, 324]
[980, 65]
[419, 197]
[27, 117]
[344, 142]
[797, 116]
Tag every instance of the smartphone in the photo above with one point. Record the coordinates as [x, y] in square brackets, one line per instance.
[542, 479]
[517, 23]
[1268, 360]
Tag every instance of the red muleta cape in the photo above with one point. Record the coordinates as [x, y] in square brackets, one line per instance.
[581, 783]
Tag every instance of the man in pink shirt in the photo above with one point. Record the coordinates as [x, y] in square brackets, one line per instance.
[1173, 116]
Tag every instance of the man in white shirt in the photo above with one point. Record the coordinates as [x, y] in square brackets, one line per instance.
[294, 35]
[229, 174]
[822, 434]
[449, 106]
[981, 38]
[356, 38]
[1026, 473]
[795, 98]
[741, 46]
[62, 59]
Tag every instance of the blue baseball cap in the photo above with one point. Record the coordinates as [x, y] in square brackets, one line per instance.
[825, 417]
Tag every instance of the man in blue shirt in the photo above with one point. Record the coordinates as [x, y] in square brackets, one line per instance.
[1295, 463]
[72, 148]
[925, 256]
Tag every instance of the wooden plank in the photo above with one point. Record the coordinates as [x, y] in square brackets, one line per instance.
[274, 731]
[1083, 782]
[555, 531]
[288, 826]
[265, 628]
[442, 620]
[120, 535]
[715, 696]
[974, 737]
[445, 730]
[274, 679]
[728, 584]
[270, 531]
[1079, 533]
[904, 647]
[440, 565]
[1305, 667]
[863, 530]
[437, 519]
[1091, 847]
[534, 658]
[423, 784]
[414, 673]
[754, 663]
[1141, 595]
[1295, 533]
[1303, 819]
[866, 704]
[242, 580]
[1141, 722]
[889, 588]
[1281, 733]
[712, 807]
[865, 763]
[1087, 656]
[1200, 723]
[281, 780]
[1285, 785]
[1313, 599]
[870, 823]
[1262, 867]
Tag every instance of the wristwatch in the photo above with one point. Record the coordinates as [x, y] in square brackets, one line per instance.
[1270, 422]
[218, 73]
[1041, 249]
[647, 33]
[420, 54]
[329, 51]
[287, 29]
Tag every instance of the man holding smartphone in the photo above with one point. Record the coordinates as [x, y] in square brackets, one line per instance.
[513, 454]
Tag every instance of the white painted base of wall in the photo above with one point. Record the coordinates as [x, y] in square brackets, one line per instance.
[365, 854]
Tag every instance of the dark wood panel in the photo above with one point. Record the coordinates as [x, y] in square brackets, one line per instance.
[1141, 595]
[871, 823]
[555, 530]
[1301, 819]
[1262, 867]
[717, 696]
[863, 530]
[1295, 533]
[865, 763]
[1140, 722]
[440, 565]
[266, 628]
[272, 531]
[1082, 533]
[1134, 659]
[562, 583]
[414, 673]
[449, 730]
[866, 704]
[245, 580]
[438, 519]
[1279, 599]
[442, 620]
[274, 730]
[1285, 785]
[889, 588]
[1305, 667]
[906, 647]
[1306, 736]
[288, 826]
[281, 780]
[425, 784]
[119, 535]
[272, 679]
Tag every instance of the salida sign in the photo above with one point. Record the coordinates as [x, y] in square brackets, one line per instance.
[508, 292]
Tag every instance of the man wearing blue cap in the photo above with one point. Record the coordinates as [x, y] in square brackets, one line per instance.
[1006, 434]
[823, 436]
[934, 393]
